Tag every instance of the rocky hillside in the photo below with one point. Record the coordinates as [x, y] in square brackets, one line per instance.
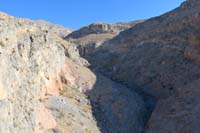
[36, 74]
[139, 77]
[46, 87]
[161, 56]
[91, 37]
[100, 28]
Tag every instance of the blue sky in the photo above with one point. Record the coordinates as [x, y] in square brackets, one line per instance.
[77, 13]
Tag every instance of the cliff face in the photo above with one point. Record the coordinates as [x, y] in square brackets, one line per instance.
[45, 86]
[35, 74]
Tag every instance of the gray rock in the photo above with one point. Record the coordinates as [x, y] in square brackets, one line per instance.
[32, 59]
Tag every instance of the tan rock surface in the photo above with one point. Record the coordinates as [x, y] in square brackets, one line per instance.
[32, 60]
[46, 87]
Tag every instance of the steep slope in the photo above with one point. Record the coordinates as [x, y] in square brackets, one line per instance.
[35, 71]
[161, 56]
[46, 87]
[117, 108]
[163, 44]
[89, 38]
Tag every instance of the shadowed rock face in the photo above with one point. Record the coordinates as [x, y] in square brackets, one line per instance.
[178, 113]
[161, 56]
[117, 109]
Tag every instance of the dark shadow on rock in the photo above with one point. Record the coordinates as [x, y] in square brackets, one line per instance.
[117, 108]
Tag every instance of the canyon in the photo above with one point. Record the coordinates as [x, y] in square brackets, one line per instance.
[133, 77]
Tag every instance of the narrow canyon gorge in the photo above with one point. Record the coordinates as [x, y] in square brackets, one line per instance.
[134, 77]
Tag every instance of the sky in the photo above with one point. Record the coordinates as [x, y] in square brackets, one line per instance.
[77, 13]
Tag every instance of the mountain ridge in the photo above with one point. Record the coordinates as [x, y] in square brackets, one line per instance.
[140, 77]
